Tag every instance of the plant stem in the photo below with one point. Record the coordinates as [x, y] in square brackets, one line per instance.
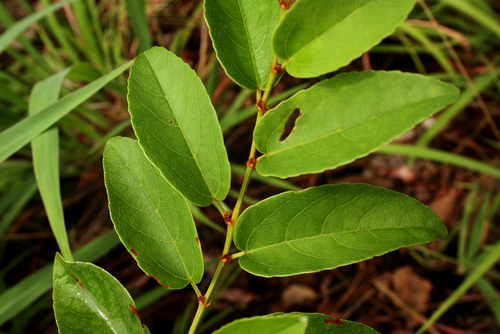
[219, 206]
[204, 305]
[261, 108]
[198, 293]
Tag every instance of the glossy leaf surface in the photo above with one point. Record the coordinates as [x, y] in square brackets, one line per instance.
[177, 127]
[320, 36]
[241, 32]
[87, 299]
[330, 226]
[324, 324]
[345, 118]
[269, 324]
[151, 218]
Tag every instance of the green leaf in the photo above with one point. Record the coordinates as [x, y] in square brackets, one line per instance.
[21, 133]
[330, 226]
[152, 219]
[15, 30]
[345, 118]
[269, 324]
[45, 151]
[87, 299]
[177, 126]
[241, 32]
[320, 36]
[324, 324]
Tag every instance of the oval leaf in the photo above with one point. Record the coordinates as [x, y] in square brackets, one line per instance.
[345, 118]
[320, 36]
[268, 324]
[87, 299]
[241, 32]
[151, 218]
[330, 226]
[177, 127]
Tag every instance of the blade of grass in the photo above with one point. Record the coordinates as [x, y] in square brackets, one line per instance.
[15, 30]
[24, 293]
[481, 83]
[113, 132]
[199, 215]
[476, 234]
[491, 295]
[57, 30]
[181, 38]
[440, 156]
[26, 191]
[45, 150]
[24, 131]
[469, 208]
[139, 23]
[483, 267]
[482, 17]
[419, 35]
[89, 42]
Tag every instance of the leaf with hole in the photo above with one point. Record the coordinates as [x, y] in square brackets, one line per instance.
[345, 118]
[177, 126]
[269, 324]
[320, 36]
[330, 226]
[241, 32]
[152, 219]
[87, 299]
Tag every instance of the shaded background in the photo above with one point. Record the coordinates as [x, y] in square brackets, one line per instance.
[393, 293]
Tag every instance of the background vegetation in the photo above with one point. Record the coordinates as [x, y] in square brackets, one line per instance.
[451, 165]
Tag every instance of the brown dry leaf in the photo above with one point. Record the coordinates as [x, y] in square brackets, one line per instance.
[239, 296]
[297, 294]
[444, 206]
[411, 288]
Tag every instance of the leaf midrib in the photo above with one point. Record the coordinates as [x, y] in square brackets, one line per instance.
[180, 126]
[337, 233]
[157, 212]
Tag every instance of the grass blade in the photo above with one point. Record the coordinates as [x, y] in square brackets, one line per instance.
[139, 23]
[481, 83]
[24, 131]
[476, 13]
[440, 156]
[23, 294]
[8, 36]
[490, 293]
[24, 193]
[45, 150]
[483, 267]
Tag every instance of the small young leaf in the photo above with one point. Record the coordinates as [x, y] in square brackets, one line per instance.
[345, 118]
[177, 126]
[87, 299]
[324, 324]
[152, 219]
[320, 36]
[268, 324]
[330, 226]
[241, 32]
